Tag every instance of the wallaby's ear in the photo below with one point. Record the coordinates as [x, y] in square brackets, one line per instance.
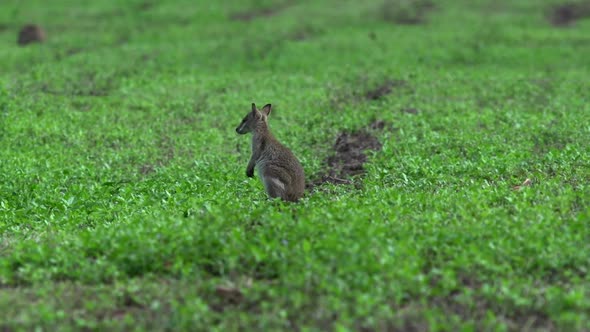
[254, 108]
[266, 109]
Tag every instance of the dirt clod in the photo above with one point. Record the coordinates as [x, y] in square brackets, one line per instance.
[229, 294]
[147, 169]
[145, 6]
[566, 14]
[382, 89]
[407, 12]
[363, 89]
[264, 12]
[303, 33]
[30, 33]
[377, 125]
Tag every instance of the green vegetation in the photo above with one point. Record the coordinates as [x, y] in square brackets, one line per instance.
[124, 202]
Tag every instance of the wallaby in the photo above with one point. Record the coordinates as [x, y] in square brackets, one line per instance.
[279, 169]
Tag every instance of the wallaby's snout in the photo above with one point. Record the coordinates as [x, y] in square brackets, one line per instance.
[241, 128]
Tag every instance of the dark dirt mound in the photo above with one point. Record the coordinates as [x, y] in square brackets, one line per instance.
[303, 33]
[145, 6]
[406, 12]
[228, 296]
[363, 89]
[383, 89]
[566, 14]
[30, 33]
[378, 125]
[264, 12]
[349, 155]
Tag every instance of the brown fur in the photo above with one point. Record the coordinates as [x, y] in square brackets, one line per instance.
[30, 33]
[280, 171]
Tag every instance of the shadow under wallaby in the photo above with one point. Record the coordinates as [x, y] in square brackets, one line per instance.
[279, 169]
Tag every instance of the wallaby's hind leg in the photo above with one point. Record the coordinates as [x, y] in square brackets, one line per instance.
[274, 186]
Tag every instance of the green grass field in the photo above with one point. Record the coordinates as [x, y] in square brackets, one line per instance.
[124, 203]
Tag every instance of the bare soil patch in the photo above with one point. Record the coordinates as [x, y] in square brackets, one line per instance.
[363, 89]
[566, 14]
[349, 155]
[407, 12]
[250, 15]
[145, 6]
[383, 89]
[303, 33]
[229, 295]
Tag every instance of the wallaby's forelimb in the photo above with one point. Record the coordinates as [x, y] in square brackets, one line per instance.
[252, 163]
[250, 168]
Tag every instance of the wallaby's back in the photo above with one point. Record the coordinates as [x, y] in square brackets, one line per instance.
[278, 166]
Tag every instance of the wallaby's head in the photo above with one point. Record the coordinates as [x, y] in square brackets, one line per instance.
[253, 119]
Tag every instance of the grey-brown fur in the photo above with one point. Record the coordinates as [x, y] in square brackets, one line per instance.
[280, 171]
[30, 33]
